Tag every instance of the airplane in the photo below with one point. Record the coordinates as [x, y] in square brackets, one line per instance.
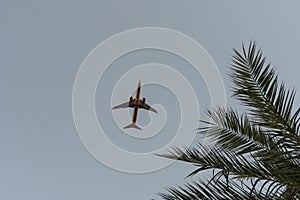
[135, 103]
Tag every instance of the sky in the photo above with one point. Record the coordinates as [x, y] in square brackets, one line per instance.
[45, 43]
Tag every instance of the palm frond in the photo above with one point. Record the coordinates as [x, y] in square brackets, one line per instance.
[235, 132]
[257, 153]
[238, 134]
[203, 189]
[252, 178]
[257, 86]
[206, 157]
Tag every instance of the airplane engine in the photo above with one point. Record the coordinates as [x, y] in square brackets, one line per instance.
[130, 100]
[144, 100]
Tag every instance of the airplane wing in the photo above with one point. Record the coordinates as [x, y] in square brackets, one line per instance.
[123, 105]
[146, 107]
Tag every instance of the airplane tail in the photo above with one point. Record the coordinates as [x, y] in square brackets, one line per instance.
[132, 125]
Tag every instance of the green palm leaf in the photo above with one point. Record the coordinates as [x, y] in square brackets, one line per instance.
[257, 86]
[257, 153]
[234, 132]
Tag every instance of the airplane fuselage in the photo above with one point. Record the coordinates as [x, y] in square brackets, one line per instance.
[136, 107]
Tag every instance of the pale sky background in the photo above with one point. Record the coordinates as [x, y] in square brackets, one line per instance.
[42, 45]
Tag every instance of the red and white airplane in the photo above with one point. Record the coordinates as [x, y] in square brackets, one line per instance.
[135, 103]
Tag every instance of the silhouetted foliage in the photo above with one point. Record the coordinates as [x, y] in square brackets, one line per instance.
[257, 153]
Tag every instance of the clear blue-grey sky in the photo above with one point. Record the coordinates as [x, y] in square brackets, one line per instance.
[43, 44]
